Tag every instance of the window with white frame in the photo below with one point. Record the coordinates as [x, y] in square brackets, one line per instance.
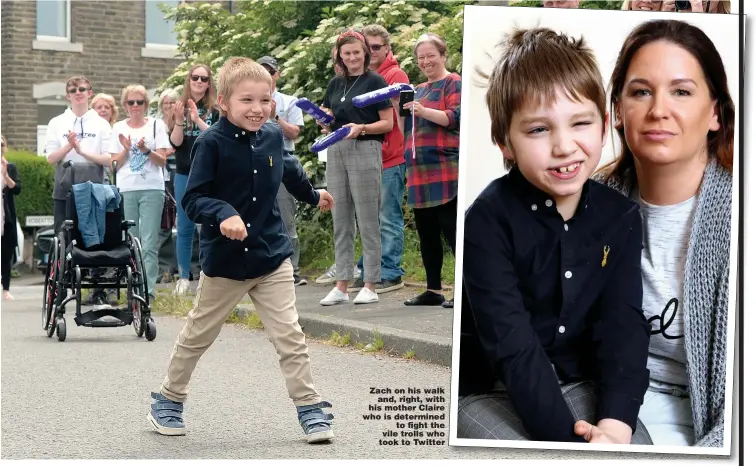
[47, 109]
[54, 19]
[158, 31]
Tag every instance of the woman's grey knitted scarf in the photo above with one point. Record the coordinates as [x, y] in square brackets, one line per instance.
[705, 299]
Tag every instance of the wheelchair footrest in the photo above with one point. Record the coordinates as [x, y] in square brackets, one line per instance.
[90, 319]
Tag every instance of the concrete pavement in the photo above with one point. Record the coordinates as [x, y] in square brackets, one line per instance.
[88, 397]
[424, 330]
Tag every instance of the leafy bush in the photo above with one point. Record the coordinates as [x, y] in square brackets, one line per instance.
[302, 38]
[36, 184]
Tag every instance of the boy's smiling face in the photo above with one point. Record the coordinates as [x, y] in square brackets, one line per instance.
[557, 146]
[249, 105]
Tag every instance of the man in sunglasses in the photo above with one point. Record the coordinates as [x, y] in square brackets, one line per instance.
[83, 137]
[289, 117]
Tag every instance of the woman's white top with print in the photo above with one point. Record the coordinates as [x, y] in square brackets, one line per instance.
[138, 172]
[665, 246]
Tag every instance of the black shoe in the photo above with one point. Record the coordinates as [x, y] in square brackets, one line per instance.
[448, 304]
[96, 297]
[389, 285]
[299, 280]
[427, 298]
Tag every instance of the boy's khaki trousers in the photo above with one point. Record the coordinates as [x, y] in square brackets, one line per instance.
[274, 299]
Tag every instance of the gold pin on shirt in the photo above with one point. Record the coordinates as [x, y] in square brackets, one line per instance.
[270, 157]
[606, 254]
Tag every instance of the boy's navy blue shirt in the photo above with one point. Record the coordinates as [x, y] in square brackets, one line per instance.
[544, 298]
[238, 172]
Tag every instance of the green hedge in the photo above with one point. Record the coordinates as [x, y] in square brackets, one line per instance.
[36, 184]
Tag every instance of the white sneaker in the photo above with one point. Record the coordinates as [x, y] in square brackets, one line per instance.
[365, 297]
[182, 287]
[336, 296]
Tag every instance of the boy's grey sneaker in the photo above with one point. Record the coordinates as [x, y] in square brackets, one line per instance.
[166, 415]
[315, 423]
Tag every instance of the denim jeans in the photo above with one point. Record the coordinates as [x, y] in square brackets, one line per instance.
[145, 207]
[184, 228]
[391, 223]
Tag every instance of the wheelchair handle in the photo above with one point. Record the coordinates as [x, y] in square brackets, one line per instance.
[115, 170]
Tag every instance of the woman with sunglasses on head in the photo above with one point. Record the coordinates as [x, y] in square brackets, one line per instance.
[355, 166]
[139, 145]
[11, 187]
[192, 114]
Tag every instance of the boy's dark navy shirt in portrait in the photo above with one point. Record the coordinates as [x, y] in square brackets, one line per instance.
[547, 300]
[238, 172]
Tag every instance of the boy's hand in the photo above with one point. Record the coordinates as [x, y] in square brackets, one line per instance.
[606, 433]
[326, 200]
[234, 228]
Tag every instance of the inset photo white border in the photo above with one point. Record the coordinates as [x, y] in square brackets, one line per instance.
[481, 161]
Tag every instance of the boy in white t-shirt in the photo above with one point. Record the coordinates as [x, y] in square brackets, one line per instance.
[139, 145]
[82, 136]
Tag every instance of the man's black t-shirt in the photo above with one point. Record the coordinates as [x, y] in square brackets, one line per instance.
[191, 132]
[345, 112]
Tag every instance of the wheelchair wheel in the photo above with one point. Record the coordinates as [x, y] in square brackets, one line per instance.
[138, 322]
[140, 276]
[151, 330]
[61, 325]
[51, 289]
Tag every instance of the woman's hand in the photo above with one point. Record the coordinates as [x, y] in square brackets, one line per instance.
[125, 142]
[193, 112]
[354, 130]
[419, 109]
[178, 113]
[5, 168]
[142, 146]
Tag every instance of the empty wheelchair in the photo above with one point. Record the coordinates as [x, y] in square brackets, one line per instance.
[70, 268]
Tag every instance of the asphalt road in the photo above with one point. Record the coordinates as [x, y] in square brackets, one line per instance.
[88, 397]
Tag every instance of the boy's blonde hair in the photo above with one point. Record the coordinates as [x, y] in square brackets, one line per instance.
[237, 69]
[535, 65]
[134, 88]
[110, 100]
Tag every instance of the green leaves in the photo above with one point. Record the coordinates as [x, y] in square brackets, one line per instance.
[300, 35]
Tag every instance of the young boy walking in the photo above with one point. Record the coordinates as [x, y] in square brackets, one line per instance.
[554, 343]
[238, 165]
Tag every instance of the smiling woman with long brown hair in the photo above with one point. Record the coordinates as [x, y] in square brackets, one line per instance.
[194, 113]
[676, 122]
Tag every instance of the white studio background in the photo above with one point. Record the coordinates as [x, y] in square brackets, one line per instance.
[604, 30]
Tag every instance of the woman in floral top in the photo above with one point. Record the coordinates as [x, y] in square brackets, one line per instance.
[432, 152]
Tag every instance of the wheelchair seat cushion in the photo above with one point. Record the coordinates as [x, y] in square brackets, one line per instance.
[115, 257]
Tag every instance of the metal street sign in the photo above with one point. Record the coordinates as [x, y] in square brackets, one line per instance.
[40, 220]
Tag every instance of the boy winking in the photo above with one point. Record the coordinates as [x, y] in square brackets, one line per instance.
[554, 342]
[238, 165]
